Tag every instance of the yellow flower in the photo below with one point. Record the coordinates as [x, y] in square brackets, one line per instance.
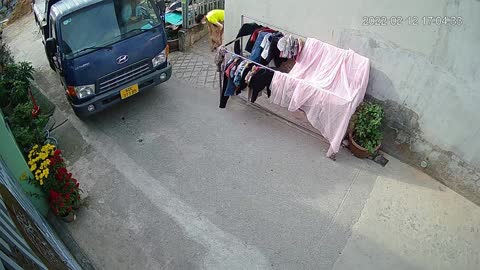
[46, 172]
[35, 146]
[34, 166]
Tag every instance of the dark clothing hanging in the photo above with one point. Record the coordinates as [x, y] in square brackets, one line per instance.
[260, 80]
[257, 48]
[247, 69]
[223, 98]
[274, 52]
[253, 37]
[246, 30]
[230, 73]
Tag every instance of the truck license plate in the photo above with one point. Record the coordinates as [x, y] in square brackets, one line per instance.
[129, 91]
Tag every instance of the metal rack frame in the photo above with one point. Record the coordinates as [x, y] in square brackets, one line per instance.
[221, 70]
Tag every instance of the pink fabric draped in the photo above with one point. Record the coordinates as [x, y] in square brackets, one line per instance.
[328, 84]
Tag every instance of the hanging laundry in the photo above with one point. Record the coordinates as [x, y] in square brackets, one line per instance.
[243, 82]
[301, 43]
[327, 83]
[227, 85]
[238, 73]
[253, 38]
[273, 52]
[288, 46]
[265, 45]
[246, 30]
[230, 74]
[257, 49]
[259, 81]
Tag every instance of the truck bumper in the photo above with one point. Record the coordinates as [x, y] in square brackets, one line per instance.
[112, 97]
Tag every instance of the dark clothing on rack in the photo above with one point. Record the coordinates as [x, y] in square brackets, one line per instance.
[260, 80]
[223, 98]
[243, 83]
[246, 30]
[253, 38]
[257, 48]
[274, 52]
[230, 73]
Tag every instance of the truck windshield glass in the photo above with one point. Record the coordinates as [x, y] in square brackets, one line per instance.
[105, 23]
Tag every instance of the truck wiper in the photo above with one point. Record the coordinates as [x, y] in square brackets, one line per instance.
[136, 29]
[109, 47]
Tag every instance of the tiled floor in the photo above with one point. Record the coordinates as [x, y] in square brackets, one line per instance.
[195, 69]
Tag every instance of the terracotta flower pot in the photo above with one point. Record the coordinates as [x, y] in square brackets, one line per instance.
[69, 217]
[358, 150]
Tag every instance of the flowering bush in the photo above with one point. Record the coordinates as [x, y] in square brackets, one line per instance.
[39, 162]
[64, 192]
[48, 167]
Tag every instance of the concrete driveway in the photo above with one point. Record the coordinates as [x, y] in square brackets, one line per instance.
[173, 182]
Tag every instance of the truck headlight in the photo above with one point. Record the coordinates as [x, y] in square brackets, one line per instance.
[84, 91]
[159, 59]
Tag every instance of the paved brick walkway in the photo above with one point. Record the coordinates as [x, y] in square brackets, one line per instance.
[194, 68]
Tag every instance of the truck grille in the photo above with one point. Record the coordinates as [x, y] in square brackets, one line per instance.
[124, 76]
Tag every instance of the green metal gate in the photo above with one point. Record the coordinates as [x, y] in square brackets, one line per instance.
[195, 7]
[26, 239]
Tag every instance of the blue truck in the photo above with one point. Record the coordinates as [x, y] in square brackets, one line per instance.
[104, 51]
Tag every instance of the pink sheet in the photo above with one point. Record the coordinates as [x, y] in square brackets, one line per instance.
[328, 84]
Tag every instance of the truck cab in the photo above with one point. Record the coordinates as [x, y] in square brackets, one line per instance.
[105, 51]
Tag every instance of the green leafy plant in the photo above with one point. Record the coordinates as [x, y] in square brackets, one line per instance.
[15, 82]
[6, 57]
[27, 130]
[367, 130]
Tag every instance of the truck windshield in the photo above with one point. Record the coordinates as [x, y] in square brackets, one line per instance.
[105, 23]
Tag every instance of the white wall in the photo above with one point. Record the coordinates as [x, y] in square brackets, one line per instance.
[430, 73]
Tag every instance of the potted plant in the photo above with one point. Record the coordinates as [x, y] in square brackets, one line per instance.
[61, 206]
[366, 136]
[63, 192]
[64, 195]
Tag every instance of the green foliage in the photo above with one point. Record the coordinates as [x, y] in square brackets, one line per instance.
[27, 130]
[15, 82]
[22, 71]
[14, 93]
[367, 131]
[6, 57]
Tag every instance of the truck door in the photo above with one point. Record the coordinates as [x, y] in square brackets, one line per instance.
[54, 59]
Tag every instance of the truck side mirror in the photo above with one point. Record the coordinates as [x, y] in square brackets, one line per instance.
[51, 46]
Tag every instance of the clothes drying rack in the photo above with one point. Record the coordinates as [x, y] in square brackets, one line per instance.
[221, 69]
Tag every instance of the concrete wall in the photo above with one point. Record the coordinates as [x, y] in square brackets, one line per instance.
[427, 76]
[187, 37]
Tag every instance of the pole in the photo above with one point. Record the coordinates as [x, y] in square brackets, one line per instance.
[185, 14]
